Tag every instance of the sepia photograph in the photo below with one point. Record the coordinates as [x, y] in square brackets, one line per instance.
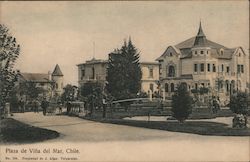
[124, 81]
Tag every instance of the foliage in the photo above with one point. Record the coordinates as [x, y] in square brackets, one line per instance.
[238, 103]
[124, 72]
[92, 92]
[181, 104]
[30, 90]
[68, 93]
[9, 52]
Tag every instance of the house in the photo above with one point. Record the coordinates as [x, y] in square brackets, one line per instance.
[199, 62]
[52, 84]
[96, 70]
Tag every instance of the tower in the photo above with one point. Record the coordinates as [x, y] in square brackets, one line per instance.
[57, 77]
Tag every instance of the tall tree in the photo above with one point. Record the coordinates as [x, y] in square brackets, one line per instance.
[124, 72]
[9, 52]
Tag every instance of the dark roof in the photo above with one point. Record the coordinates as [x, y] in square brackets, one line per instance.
[189, 43]
[57, 71]
[35, 77]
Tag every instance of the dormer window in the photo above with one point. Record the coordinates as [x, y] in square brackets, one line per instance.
[170, 54]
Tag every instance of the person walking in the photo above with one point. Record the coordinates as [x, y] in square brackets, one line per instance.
[44, 105]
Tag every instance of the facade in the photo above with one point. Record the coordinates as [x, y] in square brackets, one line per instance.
[95, 70]
[51, 83]
[199, 62]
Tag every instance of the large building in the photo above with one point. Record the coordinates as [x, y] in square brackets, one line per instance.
[199, 62]
[96, 70]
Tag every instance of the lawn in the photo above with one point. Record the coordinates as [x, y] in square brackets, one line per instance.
[13, 131]
[195, 127]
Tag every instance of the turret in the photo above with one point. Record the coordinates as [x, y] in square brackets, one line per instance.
[57, 77]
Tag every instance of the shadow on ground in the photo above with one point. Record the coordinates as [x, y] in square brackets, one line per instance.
[13, 131]
[195, 127]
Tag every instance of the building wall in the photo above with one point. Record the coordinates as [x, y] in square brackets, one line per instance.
[150, 77]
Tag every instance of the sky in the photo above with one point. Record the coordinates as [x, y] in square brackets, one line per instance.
[64, 32]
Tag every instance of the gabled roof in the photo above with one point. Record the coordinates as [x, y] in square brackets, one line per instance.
[57, 71]
[35, 77]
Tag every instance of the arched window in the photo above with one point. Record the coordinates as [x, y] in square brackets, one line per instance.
[172, 87]
[171, 71]
[166, 87]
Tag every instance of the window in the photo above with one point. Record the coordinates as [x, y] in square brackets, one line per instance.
[166, 87]
[151, 73]
[83, 73]
[151, 87]
[222, 68]
[203, 84]
[171, 71]
[172, 87]
[56, 86]
[221, 52]
[238, 68]
[195, 68]
[214, 68]
[242, 68]
[202, 52]
[208, 67]
[195, 52]
[196, 86]
[170, 54]
[93, 73]
[228, 69]
[207, 52]
[202, 67]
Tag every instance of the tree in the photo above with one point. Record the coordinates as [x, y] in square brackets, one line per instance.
[30, 90]
[68, 93]
[92, 92]
[181, 104]
[9, 52]
[238, 103]
[124, 72]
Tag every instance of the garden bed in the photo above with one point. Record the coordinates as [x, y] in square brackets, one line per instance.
[13, 131]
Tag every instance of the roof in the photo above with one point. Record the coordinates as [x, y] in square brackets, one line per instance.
[57, 71]
[149, 63]
[35, 77]
[189, 43]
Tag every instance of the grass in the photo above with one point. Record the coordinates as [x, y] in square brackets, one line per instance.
[195, 127]
[13, 131]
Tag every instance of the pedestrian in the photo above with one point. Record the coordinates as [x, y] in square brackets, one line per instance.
[44, 105]
[21, 105]
[68, 105]
[36, 106]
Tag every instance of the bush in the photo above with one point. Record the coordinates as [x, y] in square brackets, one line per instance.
[238, 103]
[181, 104]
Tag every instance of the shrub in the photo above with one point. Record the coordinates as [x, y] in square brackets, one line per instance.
[238, 103]
[181, 104]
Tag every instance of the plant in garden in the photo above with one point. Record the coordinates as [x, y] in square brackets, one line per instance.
[182, 104]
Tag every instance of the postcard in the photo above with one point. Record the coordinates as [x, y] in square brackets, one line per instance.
[124, 81]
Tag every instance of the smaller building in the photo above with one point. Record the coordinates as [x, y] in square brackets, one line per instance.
[52, 84]
[150, 77]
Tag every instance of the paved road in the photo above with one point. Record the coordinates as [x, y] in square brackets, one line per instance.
[108, 142]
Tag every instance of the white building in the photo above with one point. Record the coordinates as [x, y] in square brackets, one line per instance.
[200, 62]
